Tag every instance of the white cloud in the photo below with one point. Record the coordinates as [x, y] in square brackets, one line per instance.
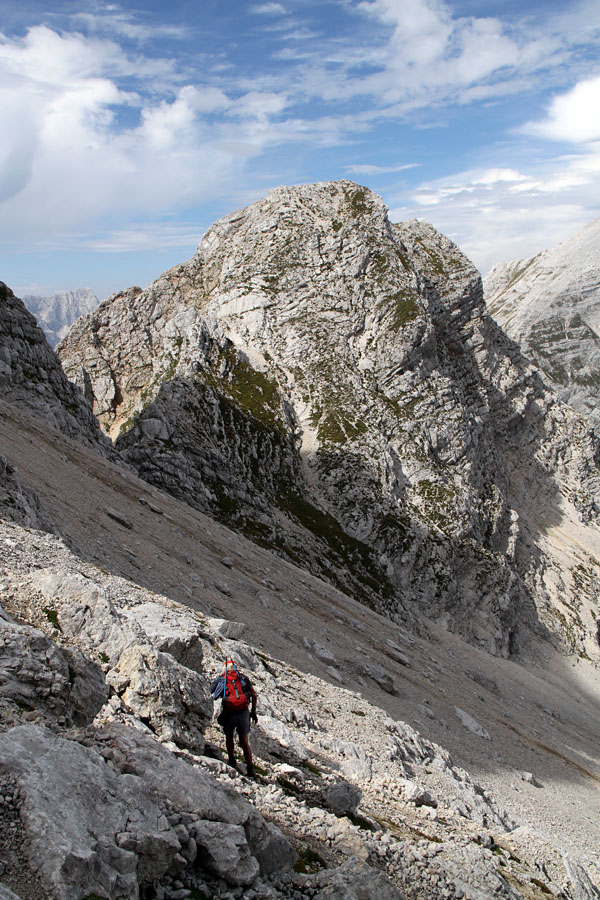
[121, 23]
[148, 238]
[432, 56]
[269, 9]
[77, 149]
[367, 169]
[572, 117]
[94, 132]
[499, 214]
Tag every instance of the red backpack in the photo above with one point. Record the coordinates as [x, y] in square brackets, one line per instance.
[235, 688]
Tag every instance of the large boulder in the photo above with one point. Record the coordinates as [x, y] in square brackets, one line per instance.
[37, 674]
[172, 699]
[74, 808]
[110, 802]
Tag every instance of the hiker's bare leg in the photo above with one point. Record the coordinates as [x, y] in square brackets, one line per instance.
[230, 746]
[245, 745]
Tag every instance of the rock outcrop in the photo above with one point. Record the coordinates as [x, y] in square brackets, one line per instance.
[56, 314]
[31, 376]
[330, 385]
[550, 305]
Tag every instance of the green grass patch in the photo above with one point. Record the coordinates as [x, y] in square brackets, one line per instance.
[358, 202]
[309, 862]
[310, 767]
[52, 617]
[288, 787]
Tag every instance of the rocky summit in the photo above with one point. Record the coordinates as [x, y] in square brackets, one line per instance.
[332, 466]
[329, 385]
[550, 304]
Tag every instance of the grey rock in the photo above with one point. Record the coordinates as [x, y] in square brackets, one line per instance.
[18, 503]
[581, 887]
[233, 630]
[382, 676]
[171, 698]
[63, 781]
[31, 377]
[171, 632]
[7, 894]
[417, 795]
[119, 517]
[269, 846]
[56, 314]
[352, 881]
[223, 849]
[472, 724]
[550, 305]
[279, 733]
[37, 674]
[343, 797]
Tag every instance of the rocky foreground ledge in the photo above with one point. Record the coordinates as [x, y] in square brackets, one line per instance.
[113, 785]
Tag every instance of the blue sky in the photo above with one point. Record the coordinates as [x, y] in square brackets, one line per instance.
[128, 129]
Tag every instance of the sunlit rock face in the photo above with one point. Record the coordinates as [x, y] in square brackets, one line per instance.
[550, 304]
[329, 384]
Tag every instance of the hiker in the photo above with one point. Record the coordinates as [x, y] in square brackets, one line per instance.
[236, 692]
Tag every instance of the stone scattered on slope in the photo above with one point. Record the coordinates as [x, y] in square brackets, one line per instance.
[354, 804]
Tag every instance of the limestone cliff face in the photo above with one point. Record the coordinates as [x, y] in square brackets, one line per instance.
[550, 304]
[31, 376]
[330, 384]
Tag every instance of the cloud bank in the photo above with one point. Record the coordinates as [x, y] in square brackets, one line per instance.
[106, 137]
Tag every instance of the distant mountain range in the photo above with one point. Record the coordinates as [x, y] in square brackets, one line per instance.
[550, 305]
[56, 314]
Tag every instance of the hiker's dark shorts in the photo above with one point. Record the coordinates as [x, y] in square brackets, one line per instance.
[237, 720]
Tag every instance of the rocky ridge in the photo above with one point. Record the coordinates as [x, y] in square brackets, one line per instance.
[329, 384]
[31, 376]
[56, 314]
[550, 304]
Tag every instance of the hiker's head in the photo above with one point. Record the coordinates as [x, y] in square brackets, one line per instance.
[230, 664]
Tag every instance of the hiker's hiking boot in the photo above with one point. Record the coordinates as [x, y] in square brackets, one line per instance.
[231, 762]
[250, 771]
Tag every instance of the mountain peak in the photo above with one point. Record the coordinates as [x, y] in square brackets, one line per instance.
[328, 383]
